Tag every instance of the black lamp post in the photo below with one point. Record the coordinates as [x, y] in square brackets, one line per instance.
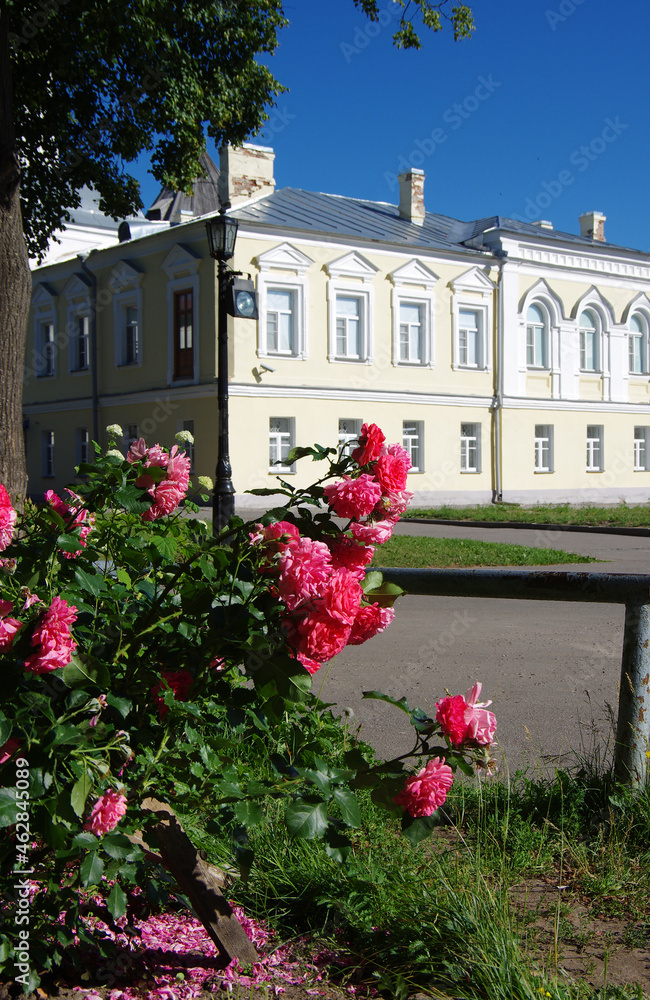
[222, 233]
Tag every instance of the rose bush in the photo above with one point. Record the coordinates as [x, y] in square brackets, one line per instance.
[140, 655]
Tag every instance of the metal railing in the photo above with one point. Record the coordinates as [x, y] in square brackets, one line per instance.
[633, 725]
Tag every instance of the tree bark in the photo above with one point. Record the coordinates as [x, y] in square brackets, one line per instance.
[15, 288]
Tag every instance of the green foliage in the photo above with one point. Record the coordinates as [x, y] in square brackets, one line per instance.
[422, 552]
[618, 515]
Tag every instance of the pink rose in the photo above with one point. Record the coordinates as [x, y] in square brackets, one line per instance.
[8, 626]
[311, 666]
[342, 596]
[275, 537]
[466, 721]
[8, 749]
[305, 566]
[427, 790]
[370, 621]
[168, 493]
[54, 638]
[320, 637]
[75, 515]
[7, 519]
[371, 441]
[392, 504]
[106, 813]
[348, 554]
[353, 498]
[178, 681]
[391, 469]
[373, 533]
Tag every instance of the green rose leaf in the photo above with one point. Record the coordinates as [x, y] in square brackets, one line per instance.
[116, 902]
[93, 584]
[8, 806]
[350, 812]
[307, 818]
[402, 703]
[92, 869]
[5, 729]
[248, 813]
[419, 828]
[80, 792]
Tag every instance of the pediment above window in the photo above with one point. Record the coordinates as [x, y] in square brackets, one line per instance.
[640, 303]
[78, 287]
[414, 273]
[180, 262]
[285, 257]
[594, 300]
[44, 296]
[473, 280]
[541, 292]
[125, 275]
[352, 265]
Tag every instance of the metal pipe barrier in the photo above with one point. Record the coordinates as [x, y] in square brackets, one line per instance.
[633, 726]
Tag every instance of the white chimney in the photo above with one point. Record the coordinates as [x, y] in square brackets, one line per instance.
[592, 226]
[245, 172]
[411, 196]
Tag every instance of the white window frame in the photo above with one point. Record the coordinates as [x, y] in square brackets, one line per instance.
[276, 440]
[126, 283]
[595, 460]
[77, 293]
[544, 458]
[413, 284]
[47, 454]
[642, 449]
[181, 267]
[641, 338]
[45, 358]
[283, 268]
[470, 441]
[597, 332]
[472, 292]
[351, 277]
[348, 435]
[82, 445]
[187, 447]
[538, 338]
[413, 442]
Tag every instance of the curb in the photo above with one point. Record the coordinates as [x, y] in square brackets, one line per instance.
[533, 526]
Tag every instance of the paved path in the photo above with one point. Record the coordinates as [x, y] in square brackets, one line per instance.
[551, 668]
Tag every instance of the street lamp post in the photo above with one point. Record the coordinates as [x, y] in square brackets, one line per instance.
[222, 233]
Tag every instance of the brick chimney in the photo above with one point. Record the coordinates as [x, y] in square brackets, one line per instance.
[592, 226]
[411, 196]
[245, 172]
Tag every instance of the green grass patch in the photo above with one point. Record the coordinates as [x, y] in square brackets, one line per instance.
[419, 552]
[621, 515]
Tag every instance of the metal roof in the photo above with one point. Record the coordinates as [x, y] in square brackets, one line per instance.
[376, 221]
[203, 201]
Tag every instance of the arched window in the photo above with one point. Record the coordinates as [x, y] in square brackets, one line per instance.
[638, 344]
[536, 338]
[589, 341]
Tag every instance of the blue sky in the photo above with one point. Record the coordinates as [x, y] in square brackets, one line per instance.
[543, 114]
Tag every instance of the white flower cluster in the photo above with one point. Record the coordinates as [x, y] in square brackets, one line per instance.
[114, 430]
[184, 437]
[205, 481]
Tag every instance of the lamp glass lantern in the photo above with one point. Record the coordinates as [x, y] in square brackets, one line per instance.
[222, 233]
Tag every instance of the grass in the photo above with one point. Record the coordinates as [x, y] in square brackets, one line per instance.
[457, 916]
[422, 552]
[621, 515]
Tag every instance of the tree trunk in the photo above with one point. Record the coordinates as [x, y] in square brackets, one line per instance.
[15, 288]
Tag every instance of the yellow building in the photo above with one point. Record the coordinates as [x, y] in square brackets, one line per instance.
[511, 360]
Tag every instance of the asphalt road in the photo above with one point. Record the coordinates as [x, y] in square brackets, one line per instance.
[551, 668]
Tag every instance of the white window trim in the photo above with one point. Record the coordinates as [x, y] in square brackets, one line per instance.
[472, 291]
[550, 468]
[47, 446]
[181, 266]
[44, 314]
[345, 438]
[646, 438]
[126, 283]
[78, 431]
[351, 276]
[416, 469]
[645, 338]
[298, 286]
[401, 297]
[283, 470]
[477, 434]
[601, 449]
[77, 292]
[546, 347]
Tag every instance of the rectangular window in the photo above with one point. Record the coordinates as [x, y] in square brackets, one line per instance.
[411, 328]
[81, 344]
[543, 448]
[349, 330]
[470, 447]
[595, 459]
[47, 451]
[46, 360]
[184, 334]
[535, 352]
[82, 445]
[131, 336]
[280, 443]
[412, 439]
[469, 339]
[641, 450]
[588, 350]
[349, 431]
[280, 321]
